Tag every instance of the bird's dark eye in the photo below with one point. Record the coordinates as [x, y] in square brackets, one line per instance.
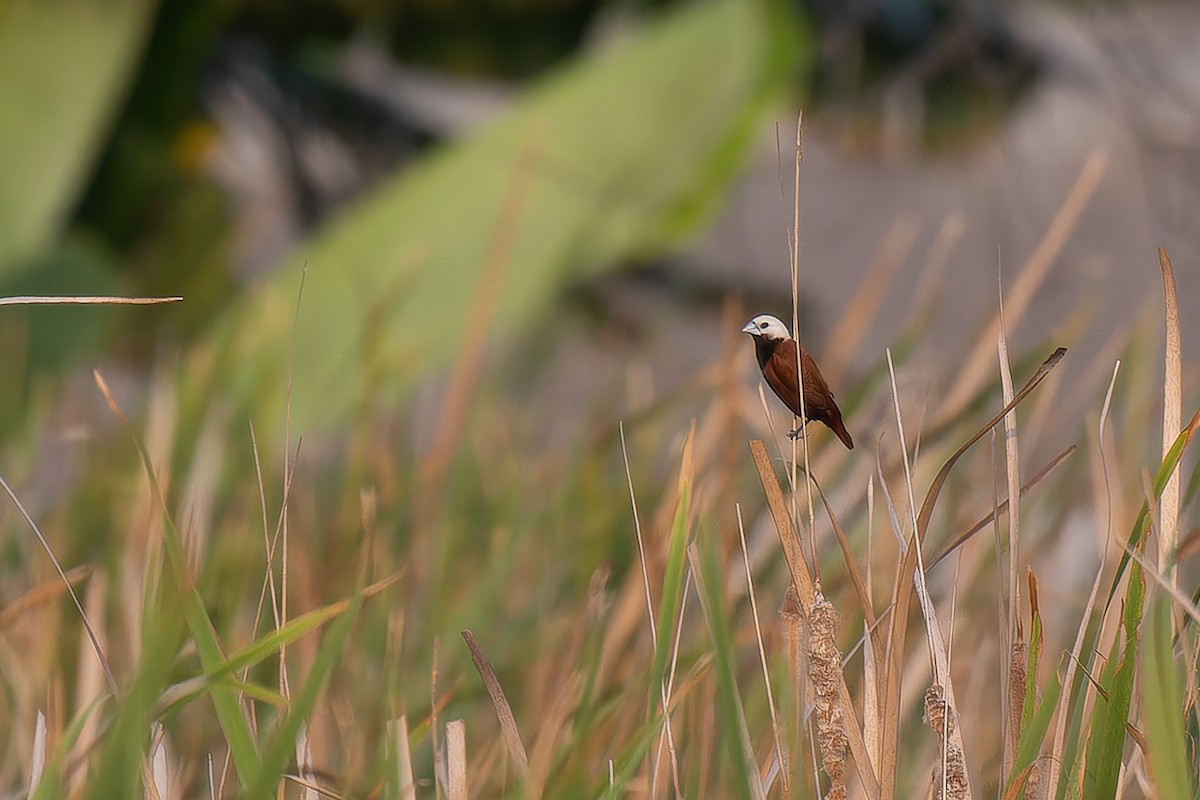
[762, 325]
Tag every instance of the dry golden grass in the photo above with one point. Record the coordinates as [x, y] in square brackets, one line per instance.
[458, 623]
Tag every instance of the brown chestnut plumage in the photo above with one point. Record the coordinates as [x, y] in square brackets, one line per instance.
[776, 351]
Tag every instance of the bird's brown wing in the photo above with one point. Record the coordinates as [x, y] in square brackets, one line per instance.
[780, 374]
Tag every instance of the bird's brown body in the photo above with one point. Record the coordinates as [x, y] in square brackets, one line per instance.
[776, 352]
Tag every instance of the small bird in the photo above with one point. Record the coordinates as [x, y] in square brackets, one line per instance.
[776, 351]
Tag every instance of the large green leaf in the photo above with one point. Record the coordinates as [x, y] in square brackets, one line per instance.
[63, 66]
[618, 154]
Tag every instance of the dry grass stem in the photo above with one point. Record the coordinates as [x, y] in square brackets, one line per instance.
[89, 628]
[85, 300]
[404, 771]
[794, 264]
[902, 591]
[637, 525]
[962, 538]
[1073, 661]
[935, 640]
[805, 591]
[667, 737]
[780, 751]
[456, 760]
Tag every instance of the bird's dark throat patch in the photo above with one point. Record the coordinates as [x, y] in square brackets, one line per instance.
[765, 348]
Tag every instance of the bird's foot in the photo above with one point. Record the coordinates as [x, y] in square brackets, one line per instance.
[797, 433]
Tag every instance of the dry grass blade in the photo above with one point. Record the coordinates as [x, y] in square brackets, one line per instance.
[1168, 509]
[1012, 463]
[803, 584]
[936, 487]
[903, 588]
[85, 300]
[964, 537]
[508, 723]
[38, 761]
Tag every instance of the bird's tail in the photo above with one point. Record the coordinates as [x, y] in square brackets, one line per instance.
[839, 428]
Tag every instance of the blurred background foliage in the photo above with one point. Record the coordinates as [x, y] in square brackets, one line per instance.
[210, 149]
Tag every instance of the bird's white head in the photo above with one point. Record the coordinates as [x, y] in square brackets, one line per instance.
[765, 326]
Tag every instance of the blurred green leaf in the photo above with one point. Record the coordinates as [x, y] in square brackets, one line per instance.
[63, 67]
[620, 154]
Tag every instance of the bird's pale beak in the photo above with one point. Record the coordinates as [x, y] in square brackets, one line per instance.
[750, 328]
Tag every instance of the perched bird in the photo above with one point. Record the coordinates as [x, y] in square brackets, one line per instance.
[776, 351]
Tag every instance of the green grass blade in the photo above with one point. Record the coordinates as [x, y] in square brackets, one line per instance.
[230, 715]
[746, 782]
[1162, 698]
[1107, 726]
[630, 760]
[126, 742]
[1029, 746]
[279, 752]
[1142, 524]
[270, 643]
[1035, 656]
[672, 592]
